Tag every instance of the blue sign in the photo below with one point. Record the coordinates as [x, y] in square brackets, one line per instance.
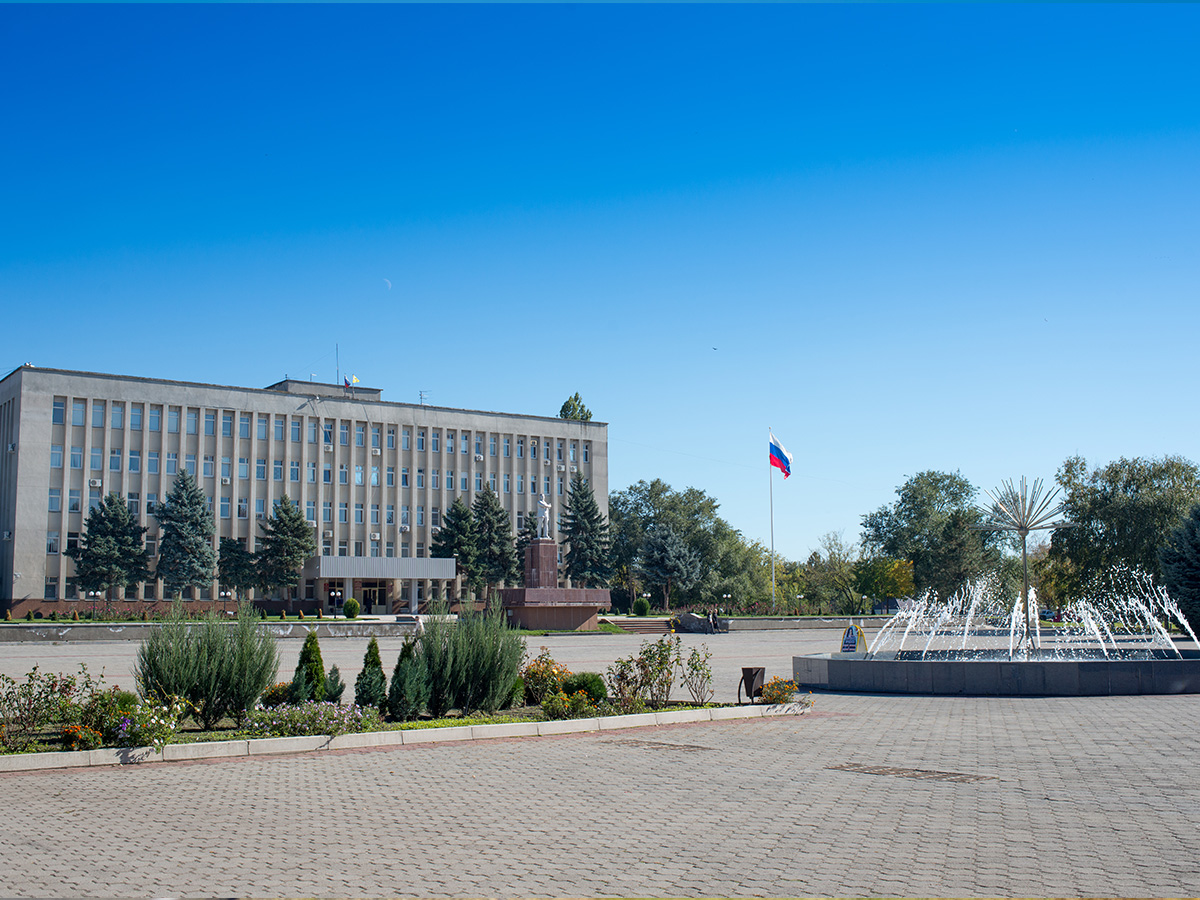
[850, 640]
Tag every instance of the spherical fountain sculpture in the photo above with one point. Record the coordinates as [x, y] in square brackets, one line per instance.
[1115, 641]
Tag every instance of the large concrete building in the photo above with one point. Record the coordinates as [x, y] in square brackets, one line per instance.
[374, 477]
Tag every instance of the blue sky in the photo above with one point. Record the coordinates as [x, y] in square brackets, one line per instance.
[918, 237]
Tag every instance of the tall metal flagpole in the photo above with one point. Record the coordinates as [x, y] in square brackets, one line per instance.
[771, 491]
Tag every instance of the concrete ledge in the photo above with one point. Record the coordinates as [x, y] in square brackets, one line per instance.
[569, 726]
[737, 712]
[301, 744]
[504, 730]
[122, 756]
[636, 720]
[55, 759]
[209, 750]
[678, 716]
[432, 735]
[367, 739]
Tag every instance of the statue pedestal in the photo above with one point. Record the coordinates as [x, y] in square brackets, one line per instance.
[543, 604]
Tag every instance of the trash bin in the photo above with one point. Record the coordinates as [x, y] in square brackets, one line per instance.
[752, 682]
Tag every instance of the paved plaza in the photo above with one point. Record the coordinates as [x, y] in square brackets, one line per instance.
[867, 795]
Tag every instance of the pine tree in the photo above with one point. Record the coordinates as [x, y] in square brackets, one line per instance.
[456, 540]
[667, 560]
[235, 566]
[186, 558]
[111, 552]
[573, 408]
[586, 535]
[497, 557]
[1180, 560]
[286, 543]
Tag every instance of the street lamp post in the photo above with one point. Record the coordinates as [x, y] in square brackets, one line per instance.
[224, 594]
[335, 599]
[93, 596]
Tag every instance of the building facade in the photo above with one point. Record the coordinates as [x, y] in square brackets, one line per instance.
[373, 477]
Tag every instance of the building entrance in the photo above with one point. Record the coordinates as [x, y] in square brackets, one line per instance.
[374, 597]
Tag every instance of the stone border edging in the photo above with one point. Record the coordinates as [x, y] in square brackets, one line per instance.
[119, 756]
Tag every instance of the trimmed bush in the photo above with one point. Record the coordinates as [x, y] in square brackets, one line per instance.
[314, 669]
[641, 607]
[409, 692]
[351, 608]
[370, 688]
[334, 686]
[591, 683]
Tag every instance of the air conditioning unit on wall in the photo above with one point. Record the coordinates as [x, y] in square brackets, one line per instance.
[94, 482]
[374, 535]
[478, 457]
[329, 448]
[328, 534]
[403, 528]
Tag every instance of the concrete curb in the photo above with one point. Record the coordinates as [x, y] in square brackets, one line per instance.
[281, 746]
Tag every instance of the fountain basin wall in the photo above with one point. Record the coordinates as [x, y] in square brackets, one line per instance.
[999, 678]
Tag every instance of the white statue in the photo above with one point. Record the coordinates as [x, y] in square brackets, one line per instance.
[543, 516]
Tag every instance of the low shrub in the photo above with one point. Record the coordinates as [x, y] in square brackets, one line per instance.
[543, 676]
[351, 608]
[590, 682]
[150, 724]
[311, 718]
[560, 705]
[554, 706]
[80, 737]
[641, 607]
[779, 690]
[695, 674]
[42, 699]
[276, 695]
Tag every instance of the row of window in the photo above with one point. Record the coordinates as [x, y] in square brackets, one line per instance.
[263, 425]
[438, 590]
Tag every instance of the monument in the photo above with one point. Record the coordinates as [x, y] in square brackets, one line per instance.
[541, 603]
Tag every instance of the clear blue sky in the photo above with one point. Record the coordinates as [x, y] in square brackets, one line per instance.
[947, 237]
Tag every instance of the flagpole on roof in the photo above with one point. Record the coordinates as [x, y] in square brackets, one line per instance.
[771, 491]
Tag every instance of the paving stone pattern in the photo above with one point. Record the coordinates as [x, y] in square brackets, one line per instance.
[1080, 796]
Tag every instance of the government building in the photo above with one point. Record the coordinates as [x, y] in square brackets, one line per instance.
[373, 477]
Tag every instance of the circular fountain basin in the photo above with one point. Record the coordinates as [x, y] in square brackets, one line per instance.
[987, 675]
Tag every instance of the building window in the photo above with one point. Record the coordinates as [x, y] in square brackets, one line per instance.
[374, 476]
[343, 548]
[193, 421]
[189, 463]
[358, 548]
[260, 508]
[327, 511]
[420, 553]
[391, 439]
[54, 503]
[312, 473]
[134, 501]
[277, 470]
[226, 466]
[390, 549]
[479, 445]
[344, 513]
[358, 513]
[391, 476]
[310, 510]
[435, 517]
[261, 431]
[435, 441]
[93, 498]
[344, 434]
[172, 463]
[506, 483]
[374, 548]
[294, 470]
[449, 479]
[58, 412]
[210, 422]
[295, 431]
[533, 484]
[226, 424]
[574, 447]
[135, 460]
[433, 479]
[51, 592]
[97, 413]
[547, 482]
[152, 462]
[466, 440]
[243, 467]
[520, 485]
[586, 452]
[492, 445]
[56, 456]
[360, 435]
[244, 425]
[151, 504]
[243, 507]
[404, 514]
[374, 513]
[560, 451]
[492, 481]
[420, 516]
[343, 474]
[404, 550]
[224, 507]
[462, 483]
[279, 428]
[77, 458]
[74, 501]
[533, 448]
[404, 476]
[390, 512]
[154, 422]
[118, 416]
[97, 459]
[404, 439]
[327, 473]
[312, 431]
[72, 540]
[479, 481]
[507, 447]
[520, 448]
[327, 431]
[358, 474]
[173, 420]
[78, 412]
[210, 466]
[376, 433]
[421, 439]
[420, 478]
[114, 459]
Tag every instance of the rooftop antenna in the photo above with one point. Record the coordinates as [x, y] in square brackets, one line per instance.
[423, 395]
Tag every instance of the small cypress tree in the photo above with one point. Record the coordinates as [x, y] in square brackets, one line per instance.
[310, 664]
[370, 688]
[334, 686]
[409, 691]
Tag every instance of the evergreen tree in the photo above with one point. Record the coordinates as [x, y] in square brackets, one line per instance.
[370, 688]
[286, 543]
[527, 535]
[409, 691]
[497, 559]
[185, 553]
[1180, 560]
[111, 552]
[456, 540]
[586, 535]
[235, 566]
[310, 668]
[573, 408]
[667, 560]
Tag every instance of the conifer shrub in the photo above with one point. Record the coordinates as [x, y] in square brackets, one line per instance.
[370, 688]
[283, 615]
[300, 614]
[334, 686]
[591, 683]
[487, 655]
[350, 608]
[517, 697]
[409, 691]
[310, 663]
[641, 607]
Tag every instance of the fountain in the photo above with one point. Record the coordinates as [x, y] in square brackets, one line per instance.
[1113, 641]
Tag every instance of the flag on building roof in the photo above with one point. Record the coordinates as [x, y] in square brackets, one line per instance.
[353, 379]
[780, 458]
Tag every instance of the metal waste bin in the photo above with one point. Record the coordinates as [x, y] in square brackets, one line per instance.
[752, 682]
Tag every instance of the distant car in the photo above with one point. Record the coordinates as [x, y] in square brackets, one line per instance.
[1050, 615]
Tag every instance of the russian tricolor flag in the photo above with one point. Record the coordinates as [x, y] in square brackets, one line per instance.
[780, 458]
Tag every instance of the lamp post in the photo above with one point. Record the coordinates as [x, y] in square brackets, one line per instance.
[726, 598]
[335, 599]
[93, 596]
[800, 604]
[224, 594]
